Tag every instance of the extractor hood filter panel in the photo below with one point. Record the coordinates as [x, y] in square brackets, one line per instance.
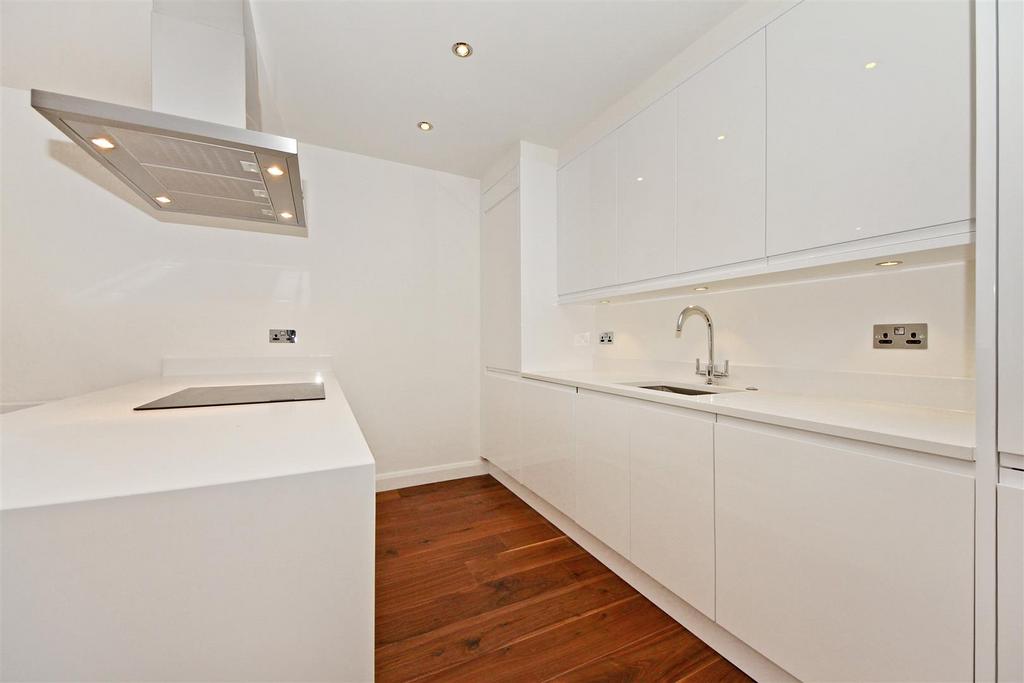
[202, 168]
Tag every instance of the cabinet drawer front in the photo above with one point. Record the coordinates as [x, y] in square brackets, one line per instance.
[672, 500]
[602, 468]
[839, 565]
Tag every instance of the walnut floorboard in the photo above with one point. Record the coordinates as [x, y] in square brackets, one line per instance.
[474, 585]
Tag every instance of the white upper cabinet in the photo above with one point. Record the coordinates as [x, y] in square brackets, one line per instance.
[672, 500]
[586, 220]
[721, 152]
[500, 285]
[647, 193]
[869, 120]
[548, 462]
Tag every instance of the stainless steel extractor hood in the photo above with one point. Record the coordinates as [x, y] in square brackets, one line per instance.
[181, 165]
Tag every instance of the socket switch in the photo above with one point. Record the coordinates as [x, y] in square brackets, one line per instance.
[901, 336]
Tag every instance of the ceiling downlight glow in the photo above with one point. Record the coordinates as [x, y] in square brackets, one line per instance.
[275, 170]
[425, 126]
[870, 65]
[721, 137]
[886, 264]
[102, 143]
[462, 50]
[163, 199]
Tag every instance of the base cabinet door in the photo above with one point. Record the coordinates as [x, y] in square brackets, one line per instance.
[547, 440]
[1010, 570]
[499, 421]
[840, 564]
[602, 468]
[672, 500]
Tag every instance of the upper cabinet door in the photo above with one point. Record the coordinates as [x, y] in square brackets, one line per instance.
[721, 148]
[869, 120]
[586, 220]
[647, 192]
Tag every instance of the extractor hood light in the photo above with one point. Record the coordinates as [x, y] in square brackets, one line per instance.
[886, 264]
[425, 126]
[462, 50]
[285, 214]
[275, 170]
[102, 143]
[163, 199]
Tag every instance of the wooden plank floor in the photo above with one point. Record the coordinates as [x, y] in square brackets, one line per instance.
[474, 585]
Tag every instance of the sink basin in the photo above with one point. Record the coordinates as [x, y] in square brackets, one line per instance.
[679, 390]
[672, 387]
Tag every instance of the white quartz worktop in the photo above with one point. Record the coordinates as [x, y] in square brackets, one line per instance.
[948, 433]
[96, 446]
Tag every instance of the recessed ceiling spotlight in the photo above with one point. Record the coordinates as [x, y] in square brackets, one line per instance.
[639, 178]
[102, 143]
[721, 137]
[163, 199]
[462, 50]
[886, 264]
[275, 170]
[870, 65]
[425, 126]
[702, 288]
[285, 214]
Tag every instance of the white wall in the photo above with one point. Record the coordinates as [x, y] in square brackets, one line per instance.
[819, 331]
[95, 291]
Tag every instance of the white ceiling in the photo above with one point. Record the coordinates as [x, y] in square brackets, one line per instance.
[359, 75]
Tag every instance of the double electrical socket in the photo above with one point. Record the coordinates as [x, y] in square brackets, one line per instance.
[901, 336]
[606, 338]
[282, 336]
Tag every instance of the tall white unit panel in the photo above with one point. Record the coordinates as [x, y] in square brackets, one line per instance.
[840, 564]
[1010, 572]
[1011, 227]
[587, 256]
[672, 500]
[869, 120]
[647, 192]
[499, 421]
[548, 463]
[721, 156]
[602, 468]
[500, 285]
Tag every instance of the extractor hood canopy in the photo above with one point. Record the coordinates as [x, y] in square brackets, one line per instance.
[182, 165]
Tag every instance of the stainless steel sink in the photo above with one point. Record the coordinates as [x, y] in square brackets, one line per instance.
[679, 390]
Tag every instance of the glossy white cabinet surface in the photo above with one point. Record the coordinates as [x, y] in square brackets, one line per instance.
[839, 564]
[1011, 227]
[672, 500]
[587, 246]
[500, 285]
[721, 161]
[1010, 570]
[647, 192]
[869, 120]
[548, 463]
[602, 468]
[499, 423]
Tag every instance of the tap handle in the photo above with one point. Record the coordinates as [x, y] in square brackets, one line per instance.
[698, 366]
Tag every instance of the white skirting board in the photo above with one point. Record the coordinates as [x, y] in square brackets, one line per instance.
[387, 481]
[751, 662]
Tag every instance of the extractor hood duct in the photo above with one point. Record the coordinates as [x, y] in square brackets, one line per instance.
[182, 165]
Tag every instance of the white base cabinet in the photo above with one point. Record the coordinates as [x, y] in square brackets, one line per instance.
[838, 563]
[547, 441]
[1010, 570]
[499, 421]
[602, 468]
[672, 500]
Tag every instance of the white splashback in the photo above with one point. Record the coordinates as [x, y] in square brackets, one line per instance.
[813, 337]
[96, 292]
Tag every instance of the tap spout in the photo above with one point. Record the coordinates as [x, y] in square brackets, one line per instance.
[698, 310]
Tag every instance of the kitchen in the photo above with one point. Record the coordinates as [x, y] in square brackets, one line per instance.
[686, 349]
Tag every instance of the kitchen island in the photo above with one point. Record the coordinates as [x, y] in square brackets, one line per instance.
[230, 543]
